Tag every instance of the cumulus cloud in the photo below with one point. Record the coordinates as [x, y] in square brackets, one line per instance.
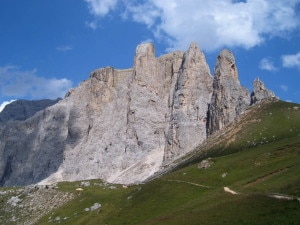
[213, 24]
[267, 64]
[290, 61]
[101, 7]
[3, 104]
[18, 83]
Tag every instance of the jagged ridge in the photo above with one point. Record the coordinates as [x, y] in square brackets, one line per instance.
[123, 125]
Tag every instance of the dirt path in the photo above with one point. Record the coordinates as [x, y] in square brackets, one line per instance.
[186, 182]
[228, 190]
[263, 178]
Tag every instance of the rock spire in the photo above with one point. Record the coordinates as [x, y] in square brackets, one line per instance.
[260, 92]
[229, 98]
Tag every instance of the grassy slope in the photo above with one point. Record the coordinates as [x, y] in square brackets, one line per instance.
[259, 155]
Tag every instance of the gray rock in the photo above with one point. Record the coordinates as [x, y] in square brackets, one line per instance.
[23, 109]
[206, 163]
[122, 126]
[260, 92]
[229, 98]
[85, 183]
[95, 206]
[190, 97]
[14, 200]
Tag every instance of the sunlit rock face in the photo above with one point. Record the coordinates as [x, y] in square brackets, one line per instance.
[123, 126]
[229, 98]
[260, 92]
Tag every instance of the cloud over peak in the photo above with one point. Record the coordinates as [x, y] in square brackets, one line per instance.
[16, 83]
[267, 64]
[213, 24]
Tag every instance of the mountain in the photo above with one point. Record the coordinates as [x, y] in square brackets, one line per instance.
[246, 173]
[124, 126]
[23, 109]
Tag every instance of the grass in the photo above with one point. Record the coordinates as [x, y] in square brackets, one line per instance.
[260, 156]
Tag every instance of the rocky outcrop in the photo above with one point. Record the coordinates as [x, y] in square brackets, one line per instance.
[229, 98]
[23, 109]
[188, 104]
[122, 126]
[260, 92]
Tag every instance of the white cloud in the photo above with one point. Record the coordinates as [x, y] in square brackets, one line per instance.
[18, 83]
[142, 13]
[290, 61]
[3, 104]
[267, 64]
[64, 48]
[284, 87]
[213, 24]
[101, 7]
[93, 25]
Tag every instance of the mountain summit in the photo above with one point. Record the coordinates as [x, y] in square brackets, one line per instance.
[123, 126]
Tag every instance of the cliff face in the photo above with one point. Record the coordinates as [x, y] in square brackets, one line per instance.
[23, 109]
[188, 104]
[229, 98]
[123, 125]
[260, 92]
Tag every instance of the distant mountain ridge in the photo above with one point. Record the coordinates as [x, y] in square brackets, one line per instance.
[122, 126]
[23, 109]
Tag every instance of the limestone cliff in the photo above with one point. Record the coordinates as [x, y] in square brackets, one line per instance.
[23, 109]
[188, 104]
[124, 125]
[260, 92]
[229, 98]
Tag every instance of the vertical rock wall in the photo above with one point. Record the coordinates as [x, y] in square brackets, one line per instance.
[229, 98]
[123, 125]
[188, 110]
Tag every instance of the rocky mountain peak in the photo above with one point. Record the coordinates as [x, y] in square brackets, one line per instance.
[105, 74]
[190, 96]
[145, 49]
[229, 98]
[145, 67]
[122, 126]
[23, 109]
[260, 92]
[226, 66]
[144, 52]
[194, 59]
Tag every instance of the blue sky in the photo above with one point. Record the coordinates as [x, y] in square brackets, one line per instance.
[47, 47]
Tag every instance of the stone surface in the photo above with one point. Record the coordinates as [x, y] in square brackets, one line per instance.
[95, 206]
[205, 164]
[19, 206]
[123, 126]
[188, 104]
[260, 92]
[23, 109]
[229, 98]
